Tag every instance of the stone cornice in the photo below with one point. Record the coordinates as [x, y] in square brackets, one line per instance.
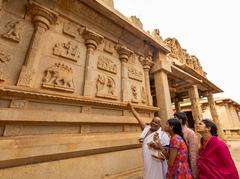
[15, 91]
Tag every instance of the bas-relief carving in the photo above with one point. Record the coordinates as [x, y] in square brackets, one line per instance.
[19, 104]
[106, 87]
[26, 76]
[136, 21]
[106, 64]
[143, 95]
[156, 35]
[67, 50]
[4, 59]
[15, 30]
[134, 94]
[72, 29]
[108, 46]
[182, 55]
[60, 77]
[135, 74]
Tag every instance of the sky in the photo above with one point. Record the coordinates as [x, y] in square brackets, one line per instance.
[209, 29]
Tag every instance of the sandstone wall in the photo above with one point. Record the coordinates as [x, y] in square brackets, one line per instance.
[66, 75]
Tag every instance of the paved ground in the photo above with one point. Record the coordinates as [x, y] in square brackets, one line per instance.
[235, 150]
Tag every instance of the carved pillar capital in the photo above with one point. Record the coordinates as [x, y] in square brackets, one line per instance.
[124, 53]
[146, 62]
[41, 16]
[92, 39]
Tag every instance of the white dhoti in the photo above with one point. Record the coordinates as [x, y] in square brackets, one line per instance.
[153, 168]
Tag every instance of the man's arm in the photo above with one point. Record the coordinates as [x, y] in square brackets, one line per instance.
[137, 116]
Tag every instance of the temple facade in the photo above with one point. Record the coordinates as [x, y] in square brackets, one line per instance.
[228, 111]
[68, 69]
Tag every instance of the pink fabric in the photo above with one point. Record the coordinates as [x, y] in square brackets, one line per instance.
[192, 142]
[215, 161]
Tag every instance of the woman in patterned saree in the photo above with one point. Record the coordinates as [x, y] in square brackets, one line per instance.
[178, 163]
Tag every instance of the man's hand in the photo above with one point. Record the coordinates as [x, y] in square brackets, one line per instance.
[130, 106]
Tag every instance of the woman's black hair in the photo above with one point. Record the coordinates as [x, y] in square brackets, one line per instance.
[210, 124]
[176, 126]
[177, 129]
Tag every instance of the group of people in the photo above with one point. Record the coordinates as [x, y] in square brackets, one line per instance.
[174, 151]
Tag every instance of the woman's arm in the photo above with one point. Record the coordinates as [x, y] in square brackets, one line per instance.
[172, 156]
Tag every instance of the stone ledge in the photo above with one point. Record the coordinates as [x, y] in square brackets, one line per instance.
[17, 151]
[44, 116]
[30, 93]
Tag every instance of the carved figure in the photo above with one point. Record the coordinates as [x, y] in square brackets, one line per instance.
[59, 75]
[135, 74]
[4, 59]
[15, 31]
[143, 95]
[156, 34]
[67, 50]
[106, 64]
[100, 82]
[134, 91]
[111, 86]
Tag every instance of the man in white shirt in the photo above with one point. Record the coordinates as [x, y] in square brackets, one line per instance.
[154, 167]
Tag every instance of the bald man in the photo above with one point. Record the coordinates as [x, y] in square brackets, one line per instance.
[155, 166]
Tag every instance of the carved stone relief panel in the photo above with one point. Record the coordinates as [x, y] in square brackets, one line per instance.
[72, 29]
[143, 95]
[4, 59]
[67, 50]
[106, 64]
[134, 93]
[20, 104]
[59, 77]
[14, 30]
[135, 74]
[106, 87]
[108, 46]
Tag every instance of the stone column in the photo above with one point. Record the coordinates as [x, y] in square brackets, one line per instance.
[147, 63]
[177, 104]
[124, 54]
[42, 18]
[92, 40]
[195, 104]
[160, 71]
[214, 114]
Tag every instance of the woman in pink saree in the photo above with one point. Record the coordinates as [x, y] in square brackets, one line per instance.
[215, 160]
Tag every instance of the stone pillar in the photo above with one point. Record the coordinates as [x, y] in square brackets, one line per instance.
[160, 71]
[177, 104]
[124, 54]
[214, 114]
[195, 104]
[1, 4]
[147, 63]
[42, 18]
[92, 40]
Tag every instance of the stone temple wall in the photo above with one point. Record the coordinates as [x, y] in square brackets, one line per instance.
[66, 75]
